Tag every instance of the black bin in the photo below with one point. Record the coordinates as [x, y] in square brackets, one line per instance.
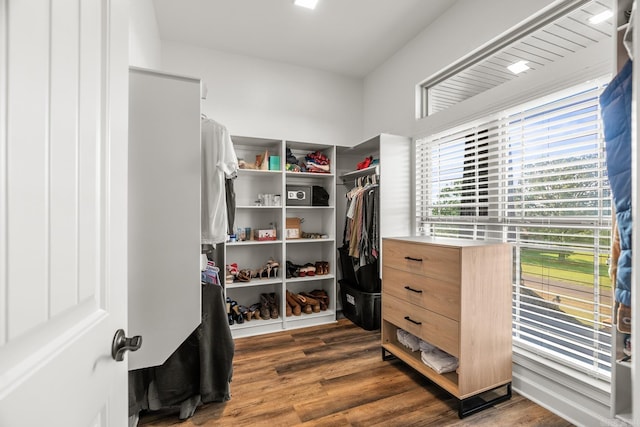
[362, 308]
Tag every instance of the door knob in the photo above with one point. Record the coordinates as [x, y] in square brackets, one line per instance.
[121, 344]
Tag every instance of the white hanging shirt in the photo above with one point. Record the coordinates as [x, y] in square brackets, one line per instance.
[219, 162]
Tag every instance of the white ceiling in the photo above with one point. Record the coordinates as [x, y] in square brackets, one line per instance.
[350, 37]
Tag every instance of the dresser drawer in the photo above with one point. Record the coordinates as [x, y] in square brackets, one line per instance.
[426, 292]
[431, 327]
[440, 262]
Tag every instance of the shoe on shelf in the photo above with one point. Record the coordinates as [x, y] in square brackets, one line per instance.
[310, 304]
[304, 304]
[293, 270]
[254, 311]
[265, 311]
[273, 305]
[244, 275]
[245, 313]
[232, 269]
[272, 266]
[296, 309]
[230, 314]
[307, 270]
[322, 296]
[288, 309]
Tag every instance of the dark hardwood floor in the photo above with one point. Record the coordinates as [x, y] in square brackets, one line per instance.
[334, 375]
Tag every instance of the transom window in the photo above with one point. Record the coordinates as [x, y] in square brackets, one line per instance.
[554, 35]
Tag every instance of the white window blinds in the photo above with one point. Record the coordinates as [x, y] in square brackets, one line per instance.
[534, 176]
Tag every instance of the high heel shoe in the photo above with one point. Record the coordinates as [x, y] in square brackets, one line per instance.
[272, 266]
[230, 316]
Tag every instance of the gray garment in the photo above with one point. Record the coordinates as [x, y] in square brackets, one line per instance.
[200, 370]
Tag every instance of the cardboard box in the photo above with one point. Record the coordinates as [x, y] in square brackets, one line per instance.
[293, 228]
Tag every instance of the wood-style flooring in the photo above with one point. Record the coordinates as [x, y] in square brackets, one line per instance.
[334, 375]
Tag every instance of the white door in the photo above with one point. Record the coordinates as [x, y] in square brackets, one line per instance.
[63, 211]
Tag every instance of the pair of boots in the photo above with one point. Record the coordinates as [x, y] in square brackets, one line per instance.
[312, 302]
[269, 306]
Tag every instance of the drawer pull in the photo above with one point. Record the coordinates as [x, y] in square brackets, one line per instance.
[409, 288]
[413, 259]
[411, 320]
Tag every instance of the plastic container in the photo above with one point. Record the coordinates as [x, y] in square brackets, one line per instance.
[366, 278]
[362, 308]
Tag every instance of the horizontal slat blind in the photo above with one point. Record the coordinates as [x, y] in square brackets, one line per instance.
[534, 176]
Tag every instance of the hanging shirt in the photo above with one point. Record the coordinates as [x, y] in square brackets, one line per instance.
[219, 162]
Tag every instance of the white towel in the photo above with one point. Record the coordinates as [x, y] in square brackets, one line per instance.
[426, 347]
[439, 361]
[408, 340]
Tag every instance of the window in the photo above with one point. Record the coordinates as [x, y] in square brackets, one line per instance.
[534, 176]
[555, 35]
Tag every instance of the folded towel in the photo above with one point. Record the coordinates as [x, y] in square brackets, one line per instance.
[439, 361]
[426, 347]
[408, 340]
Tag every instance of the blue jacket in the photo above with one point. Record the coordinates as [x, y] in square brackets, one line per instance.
[616, 116]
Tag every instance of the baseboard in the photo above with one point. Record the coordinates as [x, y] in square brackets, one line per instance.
[583, 402]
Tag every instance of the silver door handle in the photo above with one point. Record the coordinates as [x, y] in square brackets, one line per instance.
[121, 344]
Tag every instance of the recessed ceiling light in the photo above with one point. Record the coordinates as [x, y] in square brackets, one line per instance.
[309, 4]
[601, 17]
[518, 67]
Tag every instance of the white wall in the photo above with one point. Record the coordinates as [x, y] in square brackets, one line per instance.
[255, 97]
[390, 91]
[144, 37]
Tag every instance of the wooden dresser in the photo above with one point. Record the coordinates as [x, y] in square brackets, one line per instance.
[456, 295]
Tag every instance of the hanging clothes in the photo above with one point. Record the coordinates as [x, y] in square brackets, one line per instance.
[361, 228]
[219, 163]
[360, 251]
[616, 101]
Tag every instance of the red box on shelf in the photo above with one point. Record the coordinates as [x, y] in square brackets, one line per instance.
[268, 234]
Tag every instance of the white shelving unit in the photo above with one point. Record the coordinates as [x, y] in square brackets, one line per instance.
[253, 254]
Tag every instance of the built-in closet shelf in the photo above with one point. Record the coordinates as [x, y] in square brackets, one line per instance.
[311, 278]
[258, 172]
[371, 170]
[308, 175]
[253, 243]
[250, 186]
[308, 207]
[254, 282]
[294, 241]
